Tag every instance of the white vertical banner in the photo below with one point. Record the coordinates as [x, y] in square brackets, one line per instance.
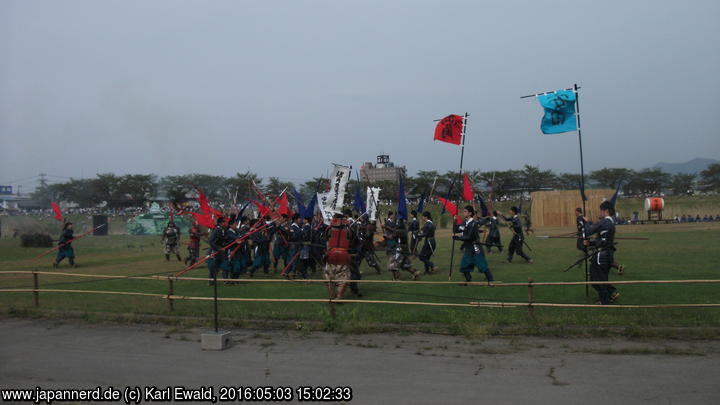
[322, 201]
[373, 196]
[338, 184]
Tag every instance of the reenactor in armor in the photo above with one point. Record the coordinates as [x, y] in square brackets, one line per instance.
[194, 244]
[171, 238]
[389, 234]
[493, 237]
[429, 245]
[603, 253]
[473, 254]
[281, 245]
[338, 260]
[365, 233]
[261, 247]
[413, 228]
[400, 257]
[516, 244]
[66, 249]
[216, 240]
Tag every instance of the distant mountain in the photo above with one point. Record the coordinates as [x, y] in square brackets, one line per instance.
[691, 166]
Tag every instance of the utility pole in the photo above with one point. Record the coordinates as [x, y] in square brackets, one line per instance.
[43, 181]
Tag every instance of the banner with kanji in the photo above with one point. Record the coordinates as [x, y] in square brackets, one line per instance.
[371, 203]
[559, 114]
[449, 129]
[338, 184]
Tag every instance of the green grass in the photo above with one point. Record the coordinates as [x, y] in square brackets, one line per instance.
[673, 252]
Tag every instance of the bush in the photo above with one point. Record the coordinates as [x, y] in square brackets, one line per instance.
[36, 240]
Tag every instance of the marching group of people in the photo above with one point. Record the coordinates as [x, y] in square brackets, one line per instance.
[300, 246]
[239, 245]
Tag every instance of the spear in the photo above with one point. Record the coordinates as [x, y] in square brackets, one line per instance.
[210, 256]
[68, 242]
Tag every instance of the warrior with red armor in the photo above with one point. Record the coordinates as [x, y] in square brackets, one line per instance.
[338, 260]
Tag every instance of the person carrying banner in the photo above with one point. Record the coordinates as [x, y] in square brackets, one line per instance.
[493, 237]
[603, 255]
[171, 239]
[66, 249]
[429, 245]
[518, 239]
[582, 224]
[473, 253]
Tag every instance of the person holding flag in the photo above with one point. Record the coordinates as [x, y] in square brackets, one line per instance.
[473, 254]
[66, 249]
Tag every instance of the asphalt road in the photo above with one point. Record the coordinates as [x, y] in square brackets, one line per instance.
[398, 369]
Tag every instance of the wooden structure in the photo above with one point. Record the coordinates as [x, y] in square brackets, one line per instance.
[557, 208]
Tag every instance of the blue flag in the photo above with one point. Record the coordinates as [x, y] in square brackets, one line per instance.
[402, 204]
[299, 202]
[310, 210]
[484, 212]
[358, 202]
[559, 112]
[421, 204]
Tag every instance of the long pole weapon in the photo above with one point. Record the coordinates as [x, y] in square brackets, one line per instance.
[462, 154]
[68, 242]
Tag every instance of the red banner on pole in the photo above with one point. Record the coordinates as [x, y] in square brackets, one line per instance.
[468, 194]
[56, 210]
[449, 129]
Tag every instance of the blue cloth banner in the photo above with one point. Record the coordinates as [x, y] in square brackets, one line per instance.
[559, 112]
[358, 202]
[402, 204]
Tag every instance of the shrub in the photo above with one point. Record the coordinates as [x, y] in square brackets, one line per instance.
[35, 240]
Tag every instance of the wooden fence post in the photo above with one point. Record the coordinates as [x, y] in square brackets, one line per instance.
[171, 291]
[36, 286]
[531, 310]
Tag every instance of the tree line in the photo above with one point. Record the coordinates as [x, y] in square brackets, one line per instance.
[134, 190]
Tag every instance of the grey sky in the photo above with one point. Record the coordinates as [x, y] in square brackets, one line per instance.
[283, 88]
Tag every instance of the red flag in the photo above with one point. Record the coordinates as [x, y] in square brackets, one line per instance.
[56, 210]
[262, 209]
[449, 129]
[468, 194]
[205, 206]
[284, 208]
[203, 219]
[451, 208]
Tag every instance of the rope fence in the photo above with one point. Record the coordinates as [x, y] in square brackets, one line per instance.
[530, 304]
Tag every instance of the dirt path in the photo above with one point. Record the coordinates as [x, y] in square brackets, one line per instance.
[412, 369]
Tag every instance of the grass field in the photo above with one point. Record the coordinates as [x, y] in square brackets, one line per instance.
[680, 251]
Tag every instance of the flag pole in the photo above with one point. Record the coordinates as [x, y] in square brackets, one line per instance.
[462, 154]
[582, 172]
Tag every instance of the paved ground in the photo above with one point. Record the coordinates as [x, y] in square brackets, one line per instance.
[412, 369]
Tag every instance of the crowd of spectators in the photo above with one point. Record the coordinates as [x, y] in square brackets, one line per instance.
[696, 218]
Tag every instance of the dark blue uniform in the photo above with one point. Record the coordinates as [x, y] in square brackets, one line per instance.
[473, 253]
[516, 244]
[603, 257]
[429, 245]
[67, 249]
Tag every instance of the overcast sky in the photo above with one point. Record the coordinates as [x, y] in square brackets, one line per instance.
[283, 88]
